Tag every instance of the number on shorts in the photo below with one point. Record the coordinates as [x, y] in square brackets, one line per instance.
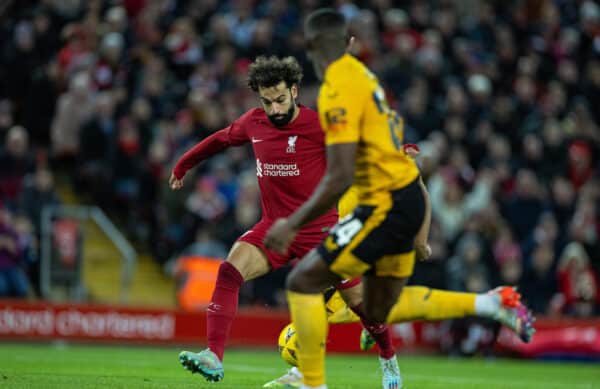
[345, 232]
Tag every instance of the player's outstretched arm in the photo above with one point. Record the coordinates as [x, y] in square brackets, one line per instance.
[421, 246]
[208, 147]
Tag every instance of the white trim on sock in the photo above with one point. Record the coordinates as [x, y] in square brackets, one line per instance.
[295, 371]
[486, 305]
[382, 359]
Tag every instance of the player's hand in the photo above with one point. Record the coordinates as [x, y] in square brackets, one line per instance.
[423, 251]
[175, 183]
[350, 44]
[411, 149]
[280, 236]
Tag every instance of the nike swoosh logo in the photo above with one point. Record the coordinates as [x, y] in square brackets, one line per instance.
[254, 140]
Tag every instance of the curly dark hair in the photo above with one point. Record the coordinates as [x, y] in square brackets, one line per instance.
[266, 72]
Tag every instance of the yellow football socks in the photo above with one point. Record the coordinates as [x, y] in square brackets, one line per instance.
[421, 303]
[342, 315]
[338, 311]
[309, 318]
[416, 303]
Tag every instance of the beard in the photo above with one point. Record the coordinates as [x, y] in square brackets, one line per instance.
[282, 119]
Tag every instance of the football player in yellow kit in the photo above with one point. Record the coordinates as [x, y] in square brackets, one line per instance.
[376, 240]
[491, 304]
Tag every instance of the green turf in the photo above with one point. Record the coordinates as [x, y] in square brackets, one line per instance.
[44, 366]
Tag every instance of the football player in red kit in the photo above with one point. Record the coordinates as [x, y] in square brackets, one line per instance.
[289, 148]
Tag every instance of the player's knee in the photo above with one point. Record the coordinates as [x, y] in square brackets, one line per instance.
[302, 279]
[295, 281]
[248, 261]
[352, 296]
[376, 313]
[310, 275]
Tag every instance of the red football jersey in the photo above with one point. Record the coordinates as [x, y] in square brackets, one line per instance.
[290, 160]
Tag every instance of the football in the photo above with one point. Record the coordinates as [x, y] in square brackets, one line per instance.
[287, 344]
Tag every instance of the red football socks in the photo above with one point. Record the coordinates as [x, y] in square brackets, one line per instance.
[379, 332]
[223, 307]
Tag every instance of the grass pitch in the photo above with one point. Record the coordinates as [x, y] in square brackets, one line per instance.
[70, 366]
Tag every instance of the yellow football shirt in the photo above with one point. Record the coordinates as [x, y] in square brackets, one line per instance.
[353, 109]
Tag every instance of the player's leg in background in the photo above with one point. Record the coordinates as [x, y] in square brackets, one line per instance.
[501, 304]
[379, 295]
[351, 292]
[305, 284]
[244, 262]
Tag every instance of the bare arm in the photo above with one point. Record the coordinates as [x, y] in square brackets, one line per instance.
[422, 248]
[210, 146]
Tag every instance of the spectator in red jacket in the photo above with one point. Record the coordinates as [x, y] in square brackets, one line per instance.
[577, 281]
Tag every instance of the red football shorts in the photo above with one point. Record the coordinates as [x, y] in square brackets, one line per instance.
[305, 241]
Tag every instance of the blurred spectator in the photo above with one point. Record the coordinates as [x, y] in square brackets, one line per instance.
[248, 201]
[38, 192]
[13, 282]
[40, 103]
[420, 118]
[555, 149]
[74, 108]
[577, 281]
[473, 335]
[524, 206]
[6, 117]
[15, 163]
[466, 269]
[452, 203]
[109, 71]
[499, 159]
[539, 283]
[507, 254]
[206, 245]
[227, 182]
[29, 242]
[546, 232]
[182, 45]
[585, 225]
[563, 201]
[469, 336]
[206, 203]
[21, 58]
[97, 148]
[126, 165]
[76, 53]
[580, 163]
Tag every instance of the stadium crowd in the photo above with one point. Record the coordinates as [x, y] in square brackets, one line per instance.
[499, 95]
